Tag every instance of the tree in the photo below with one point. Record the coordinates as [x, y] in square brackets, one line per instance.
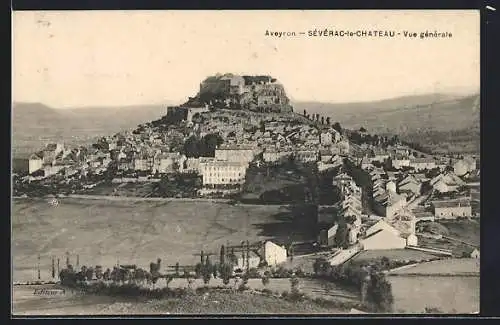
[225, 271]
[379, 292]
[337, 127]
[362, 130]
[294, 287]
[198, 269]
[168, 279]
[328, 120]
[305, 113]
[177, 269]
[222, 258]
[207, 271]
[265, 279]
[262, 127]
[291, 251]
[322, 120]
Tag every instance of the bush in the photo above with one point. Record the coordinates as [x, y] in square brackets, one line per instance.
[267, 291]
[265, 280]
[379, 293]
[253, 273]
[243, 286]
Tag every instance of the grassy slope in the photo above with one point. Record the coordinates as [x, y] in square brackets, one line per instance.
[133, 232]
[212, 303]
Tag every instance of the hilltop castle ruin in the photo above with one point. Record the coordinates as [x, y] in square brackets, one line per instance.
[229, 91]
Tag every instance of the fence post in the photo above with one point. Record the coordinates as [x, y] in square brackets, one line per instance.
[53, 268]
[38, 267]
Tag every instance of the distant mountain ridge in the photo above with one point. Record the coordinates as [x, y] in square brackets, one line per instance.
[34, 124]
[438, 112]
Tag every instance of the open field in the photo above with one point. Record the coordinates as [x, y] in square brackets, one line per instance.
[25, 303]
[393, 255]
[103, 231]
[466, 230]
[446, 266]
[412, 294]
[450, 294]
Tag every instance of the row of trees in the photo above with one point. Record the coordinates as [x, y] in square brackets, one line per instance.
[324, 121]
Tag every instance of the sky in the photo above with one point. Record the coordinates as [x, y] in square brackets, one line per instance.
[115, 58]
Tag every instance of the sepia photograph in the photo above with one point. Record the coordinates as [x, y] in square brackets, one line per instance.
[239, 162]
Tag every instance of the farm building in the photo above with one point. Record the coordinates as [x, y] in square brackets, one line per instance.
[273, 254]
[383, 239]
[451, 209]
[475, 253]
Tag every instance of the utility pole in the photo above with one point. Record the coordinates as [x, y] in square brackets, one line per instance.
[58, 268]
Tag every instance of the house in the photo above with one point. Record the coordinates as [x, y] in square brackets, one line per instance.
[410, 184]
[475, 253]
[448, 182]
[379, 155]
[243, 262]
[463, 166]
[168, 162]
[35, 162]
[366, 163]
[344, 147]
[388, 203]
[352, 234]
[383, 239]
[422, 163]
[243, 154]
[327, 236]
[273, 254]
[306, 156]
[326, 138]
[400, 162]
[451, 209]
[273, 155]
[382, 224]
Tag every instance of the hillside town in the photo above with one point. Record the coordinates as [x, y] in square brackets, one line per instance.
[383, 193]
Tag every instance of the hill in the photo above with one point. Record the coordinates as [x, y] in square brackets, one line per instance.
[439, 121]
[34, 124]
